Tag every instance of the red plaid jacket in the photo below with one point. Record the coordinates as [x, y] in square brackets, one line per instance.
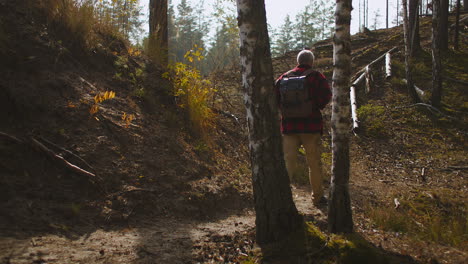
[320, 90]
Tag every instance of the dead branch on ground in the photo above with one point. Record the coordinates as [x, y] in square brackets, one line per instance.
[11, 138]
[67, 151]
[61, 161]
[431, 108]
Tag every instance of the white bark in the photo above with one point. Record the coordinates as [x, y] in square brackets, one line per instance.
[352, 98]
[368, 79]
[388, 66]
[375, 61]
[339, 208]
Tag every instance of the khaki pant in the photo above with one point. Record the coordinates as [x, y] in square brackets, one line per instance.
[311, 143]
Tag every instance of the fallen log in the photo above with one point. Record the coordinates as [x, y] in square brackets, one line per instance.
[369, 79]
[359, 79]
[352, 98]
[420, 92]
[373, 62]
[388, 66]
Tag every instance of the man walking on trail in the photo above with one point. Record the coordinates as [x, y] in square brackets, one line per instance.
[302, 93]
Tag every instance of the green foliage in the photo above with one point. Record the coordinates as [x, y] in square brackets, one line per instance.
[193, 93]
[284, 38]
[186, 29]
[372, 116]
[390, 220]
[314, 23]
[311, 245]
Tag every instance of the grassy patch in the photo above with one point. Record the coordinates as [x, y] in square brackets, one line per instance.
[438, 216]
[372, 116]
[320, 248]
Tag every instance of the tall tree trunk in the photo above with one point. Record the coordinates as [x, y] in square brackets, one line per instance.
[411, 90]
[386, 15]
[398, 13]
[360, 25]
[457, 26]
[436, 60]
[364, 13]
[415, 43]
[421, 7]
[443, 24]
[367, 13]
[340, 218]
[276, 214]
[158, 33]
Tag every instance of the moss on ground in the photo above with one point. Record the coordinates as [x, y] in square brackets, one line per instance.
[321, 248]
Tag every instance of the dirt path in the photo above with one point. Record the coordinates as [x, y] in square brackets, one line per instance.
[162, 240]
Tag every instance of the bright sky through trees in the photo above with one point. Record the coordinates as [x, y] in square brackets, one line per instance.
[278, 9]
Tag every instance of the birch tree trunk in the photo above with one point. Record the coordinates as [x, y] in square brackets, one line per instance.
[158, 33]
[436, 61]
[276, 213]
[340, 218]
[411, 90]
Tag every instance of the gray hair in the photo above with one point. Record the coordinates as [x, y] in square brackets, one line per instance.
[305, 57]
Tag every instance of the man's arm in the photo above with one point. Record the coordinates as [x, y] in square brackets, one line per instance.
[324, 93]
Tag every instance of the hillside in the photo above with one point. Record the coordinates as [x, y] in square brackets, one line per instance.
[161, 194]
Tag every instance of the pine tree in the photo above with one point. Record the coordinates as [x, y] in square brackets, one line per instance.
[436, 61]
[409, 78]
[284, 38]
[377, 16]
[158, 31]
[224, 49]
[276, 215]
[305, 28]
[443, 24]
[190, 30]
[413, 24]
[323, 16]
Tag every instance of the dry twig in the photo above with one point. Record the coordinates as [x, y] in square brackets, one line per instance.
[58, 159]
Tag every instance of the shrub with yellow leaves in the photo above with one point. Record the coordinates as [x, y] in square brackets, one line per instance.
[99, 98]
[193, 92]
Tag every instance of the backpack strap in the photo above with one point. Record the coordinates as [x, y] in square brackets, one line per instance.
[307, 72]
[292, 73]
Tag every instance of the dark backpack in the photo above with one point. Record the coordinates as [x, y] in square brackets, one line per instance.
[296, 101]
